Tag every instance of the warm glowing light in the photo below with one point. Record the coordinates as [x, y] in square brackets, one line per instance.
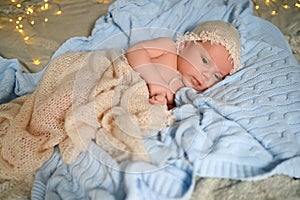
[286, 6]
[45, 6]
[36, 61]
[58, 12]
[23, 13]
[26, 38]
[29, 11]
[274, 7]
[274, 12]
[267, 2]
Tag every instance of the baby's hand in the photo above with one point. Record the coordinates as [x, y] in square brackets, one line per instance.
[160, 95]
[158, 99]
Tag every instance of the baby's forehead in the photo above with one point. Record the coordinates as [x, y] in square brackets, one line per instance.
[212, 46]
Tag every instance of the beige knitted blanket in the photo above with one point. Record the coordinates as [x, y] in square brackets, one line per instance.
[82, 98]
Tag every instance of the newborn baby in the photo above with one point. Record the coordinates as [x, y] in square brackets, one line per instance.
[197, 59]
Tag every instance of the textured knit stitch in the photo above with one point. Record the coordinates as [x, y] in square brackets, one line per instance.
[83, 97]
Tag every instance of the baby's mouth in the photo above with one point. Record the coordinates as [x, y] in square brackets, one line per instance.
[196, 82]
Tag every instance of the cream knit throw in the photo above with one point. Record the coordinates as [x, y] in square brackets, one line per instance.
[82, 98]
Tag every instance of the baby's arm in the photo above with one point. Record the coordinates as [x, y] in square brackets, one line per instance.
[153, 56]
[156, 61]
[153, 49]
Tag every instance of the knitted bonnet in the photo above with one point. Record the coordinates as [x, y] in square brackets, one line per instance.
[218, 32]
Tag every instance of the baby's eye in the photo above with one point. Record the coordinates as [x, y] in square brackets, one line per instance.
[204, 60]
[217, 76]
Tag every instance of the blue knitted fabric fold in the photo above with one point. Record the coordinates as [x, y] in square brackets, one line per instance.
[245, 127]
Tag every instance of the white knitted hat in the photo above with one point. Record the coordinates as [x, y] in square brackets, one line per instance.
[218, 32]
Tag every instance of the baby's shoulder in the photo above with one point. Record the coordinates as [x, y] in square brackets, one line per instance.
[166, 42]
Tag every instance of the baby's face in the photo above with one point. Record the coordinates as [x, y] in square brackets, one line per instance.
[202, 64]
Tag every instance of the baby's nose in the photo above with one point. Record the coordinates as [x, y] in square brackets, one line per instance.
[206, 75]
[208, 78]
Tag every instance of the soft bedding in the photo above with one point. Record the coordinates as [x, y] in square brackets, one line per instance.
[244, 128]
[111, 108]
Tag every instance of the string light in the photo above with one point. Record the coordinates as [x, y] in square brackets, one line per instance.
[274, 12]
[59, 12]
[26, 38]
[267, 2]
[274, 6]
[36, 61]
[29, 10]
[45, 6]
[23, 12]
[286, 6]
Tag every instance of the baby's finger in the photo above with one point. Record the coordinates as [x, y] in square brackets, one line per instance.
[159, 99]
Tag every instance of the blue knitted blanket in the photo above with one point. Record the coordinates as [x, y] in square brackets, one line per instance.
[246, 127]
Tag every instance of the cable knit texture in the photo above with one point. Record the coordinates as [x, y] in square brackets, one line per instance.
[244, 127]
[82, 97]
